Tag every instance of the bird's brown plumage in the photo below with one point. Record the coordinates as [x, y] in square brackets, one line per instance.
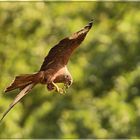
[53, 70]
[60, 53]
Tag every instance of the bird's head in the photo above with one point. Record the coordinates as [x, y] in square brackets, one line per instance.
[68, 80]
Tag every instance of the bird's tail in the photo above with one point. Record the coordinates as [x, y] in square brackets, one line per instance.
[22, 81]
[25, 83]
[22, 93]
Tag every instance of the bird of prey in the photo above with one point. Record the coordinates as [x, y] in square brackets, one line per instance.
[53, 70]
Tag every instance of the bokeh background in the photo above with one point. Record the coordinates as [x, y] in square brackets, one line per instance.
[104, 100]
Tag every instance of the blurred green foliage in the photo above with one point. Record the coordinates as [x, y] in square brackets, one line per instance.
[104, 100]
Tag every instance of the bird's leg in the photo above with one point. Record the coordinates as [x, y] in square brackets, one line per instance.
[59, 90]
[55, 85]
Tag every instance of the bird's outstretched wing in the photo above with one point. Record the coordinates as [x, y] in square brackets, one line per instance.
[60, 53]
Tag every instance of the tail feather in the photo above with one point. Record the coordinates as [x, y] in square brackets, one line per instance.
[25, 83]
[21, 81]
[18, 98]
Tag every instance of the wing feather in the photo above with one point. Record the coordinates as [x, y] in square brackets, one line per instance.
[60, 53]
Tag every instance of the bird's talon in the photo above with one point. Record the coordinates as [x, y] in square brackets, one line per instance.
[61, 92]
[57, 89]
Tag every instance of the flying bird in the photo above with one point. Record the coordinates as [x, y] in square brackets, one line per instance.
[53, 70]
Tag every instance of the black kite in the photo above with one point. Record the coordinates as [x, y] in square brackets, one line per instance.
[53, 70]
